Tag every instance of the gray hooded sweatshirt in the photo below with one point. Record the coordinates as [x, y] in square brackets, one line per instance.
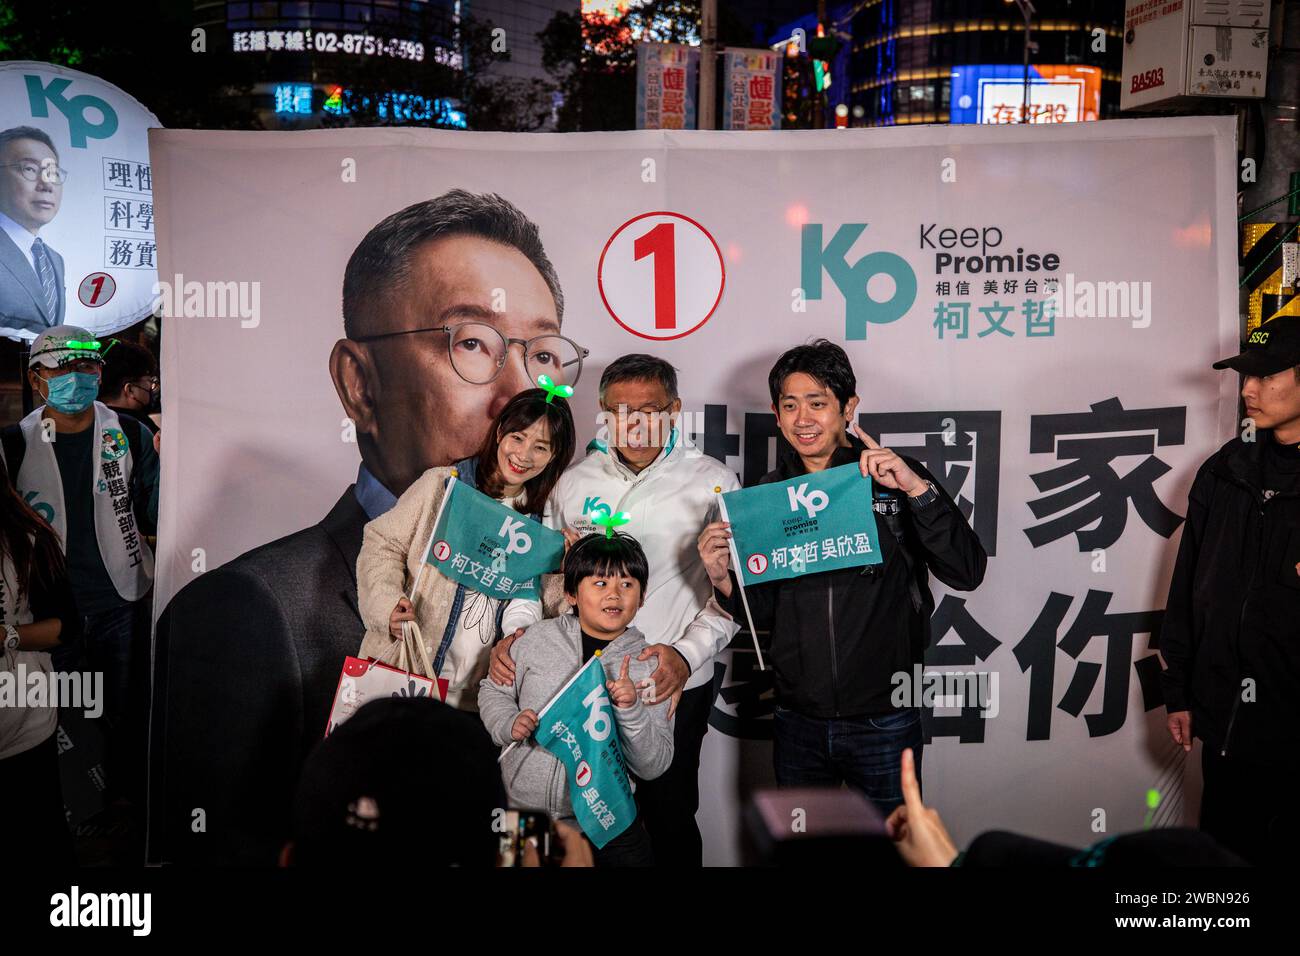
[546, 656]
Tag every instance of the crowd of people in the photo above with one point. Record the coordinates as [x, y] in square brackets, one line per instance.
[237, 770]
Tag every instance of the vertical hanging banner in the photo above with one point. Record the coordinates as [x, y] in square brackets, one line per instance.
[76, 203]
[751, 89]
[665, 85]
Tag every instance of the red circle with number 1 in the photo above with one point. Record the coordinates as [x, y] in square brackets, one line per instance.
[661, 275]
[757, 563]
[96, 289]
[441, 550]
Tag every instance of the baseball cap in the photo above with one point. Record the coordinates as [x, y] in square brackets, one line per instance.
[1269, 349]
[61, 344]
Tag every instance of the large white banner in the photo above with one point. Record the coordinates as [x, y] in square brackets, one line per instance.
[1032, 313]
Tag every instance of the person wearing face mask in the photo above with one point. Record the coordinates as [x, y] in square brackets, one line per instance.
[525, 452]
[129, 381]
[92, 474]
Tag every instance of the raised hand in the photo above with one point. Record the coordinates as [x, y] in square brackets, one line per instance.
[886, 466]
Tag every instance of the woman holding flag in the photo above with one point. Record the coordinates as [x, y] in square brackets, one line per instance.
[443, 629]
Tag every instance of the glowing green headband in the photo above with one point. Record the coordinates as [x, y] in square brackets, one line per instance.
[91, 346]
[610, 521]
[563, 391]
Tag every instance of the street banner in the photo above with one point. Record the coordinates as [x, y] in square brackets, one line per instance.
[822, 521]
[482, 544]
[77, 203]
[578, 726]
[665, 85]
[751, 89]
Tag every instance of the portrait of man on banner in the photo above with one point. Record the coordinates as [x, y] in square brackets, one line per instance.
[421, 287]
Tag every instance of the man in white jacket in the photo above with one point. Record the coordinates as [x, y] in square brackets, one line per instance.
[669, 489]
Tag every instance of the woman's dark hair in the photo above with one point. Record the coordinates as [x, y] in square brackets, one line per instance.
[520, 412]
[27, 541]
[822, 360]
[596, 555]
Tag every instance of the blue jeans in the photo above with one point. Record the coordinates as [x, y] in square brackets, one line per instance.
[864, 752]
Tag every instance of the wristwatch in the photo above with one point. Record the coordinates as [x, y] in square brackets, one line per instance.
[11, 638]
[926, 498]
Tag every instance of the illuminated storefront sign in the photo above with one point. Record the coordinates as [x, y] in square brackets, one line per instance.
[994, 93]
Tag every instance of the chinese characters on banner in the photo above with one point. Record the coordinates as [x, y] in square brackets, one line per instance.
[128, 215]
[578, 726]
[751, 90]
[495, 550]
[665, 85]
[817, 522]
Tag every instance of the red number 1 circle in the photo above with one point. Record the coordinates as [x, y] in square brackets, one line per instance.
[441, 550]
[757, 563]
[661, 275]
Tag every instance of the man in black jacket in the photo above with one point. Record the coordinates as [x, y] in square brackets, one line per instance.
[1230, 639]
[838, 637]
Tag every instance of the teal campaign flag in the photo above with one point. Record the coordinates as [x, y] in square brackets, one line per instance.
[482, 544]
[578, 727]
[821, 521]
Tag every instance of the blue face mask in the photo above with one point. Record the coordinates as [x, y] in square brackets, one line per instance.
[73, 392]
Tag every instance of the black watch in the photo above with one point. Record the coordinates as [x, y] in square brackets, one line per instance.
[926, 498]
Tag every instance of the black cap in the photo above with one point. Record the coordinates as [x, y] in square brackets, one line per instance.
[1271, 348]
[404, 779]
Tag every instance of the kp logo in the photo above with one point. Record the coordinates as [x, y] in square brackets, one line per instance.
[74, 110]
[520, 543]
[594, 504]
[812, 503]
[859, 307]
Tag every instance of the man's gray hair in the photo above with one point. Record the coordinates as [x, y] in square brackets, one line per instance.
[639, 367]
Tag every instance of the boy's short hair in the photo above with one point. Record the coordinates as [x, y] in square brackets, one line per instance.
[823, 361]
[596, 555]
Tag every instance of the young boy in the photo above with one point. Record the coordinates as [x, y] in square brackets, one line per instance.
[604, 581]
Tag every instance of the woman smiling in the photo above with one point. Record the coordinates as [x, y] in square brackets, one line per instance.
[527, 448]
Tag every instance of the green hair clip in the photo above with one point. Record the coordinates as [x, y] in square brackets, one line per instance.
[563, 391]
[609, 521]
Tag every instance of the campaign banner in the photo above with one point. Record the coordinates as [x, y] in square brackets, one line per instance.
[77, 245]
[665, 85]
[821, 521]
[999, 290]
[751, 91]
[495, 550]
[578, 727]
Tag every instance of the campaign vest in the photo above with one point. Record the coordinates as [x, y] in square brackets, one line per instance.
[126, 554]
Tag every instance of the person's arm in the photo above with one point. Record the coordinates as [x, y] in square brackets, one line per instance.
[498, 706]
[1178, 638]
[951, 548]
[646, 732]
[54, 613]
[146, 460]
[706, 636]
[386, 542]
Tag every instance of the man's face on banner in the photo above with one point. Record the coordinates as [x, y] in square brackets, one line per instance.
[424, 412]
[30, 202]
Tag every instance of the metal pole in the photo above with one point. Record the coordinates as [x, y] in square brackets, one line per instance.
[708, 63]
